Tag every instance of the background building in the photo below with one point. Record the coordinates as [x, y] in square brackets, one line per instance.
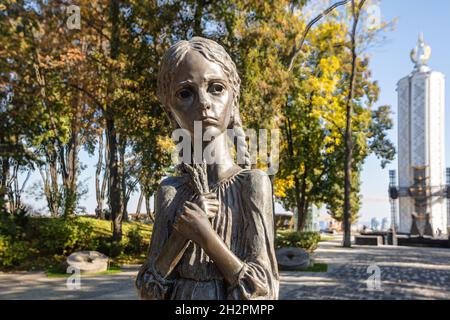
[421, 148]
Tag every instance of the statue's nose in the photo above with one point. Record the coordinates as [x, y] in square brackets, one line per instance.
[204, 102]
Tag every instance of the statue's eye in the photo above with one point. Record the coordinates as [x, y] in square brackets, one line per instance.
[184, 94]
[216, 88]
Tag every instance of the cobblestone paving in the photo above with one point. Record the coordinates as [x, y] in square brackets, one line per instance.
[405, 273]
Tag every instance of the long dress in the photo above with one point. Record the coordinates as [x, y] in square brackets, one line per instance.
[244, 222]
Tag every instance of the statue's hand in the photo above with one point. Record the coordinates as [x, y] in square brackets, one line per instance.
[209, 203]
[193, 224]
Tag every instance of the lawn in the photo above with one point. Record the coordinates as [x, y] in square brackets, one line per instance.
[57, 273]
[44, 243]
[317, 267]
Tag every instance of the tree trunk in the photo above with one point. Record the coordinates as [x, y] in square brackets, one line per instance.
[50, 181]
[291, 156]
[100, 190]
[147, 207]
[74, 165]
[115, 192]
[4, 185]
[139, 204]
[123, 182]
[14, 188]
[99, 210]
[56, 196]
[69, 159]
[300, 188]
[105, 182]
[115, 197]
[272, 178]
[348, 131]
[198, 18]
[297, 203]
[302, 203]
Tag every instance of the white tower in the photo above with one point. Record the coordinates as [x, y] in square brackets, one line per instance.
[421, 147]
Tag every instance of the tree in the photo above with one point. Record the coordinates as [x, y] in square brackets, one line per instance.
[101, 183]
[22, 112]
[311, 123]
[356, 11]
[95, 88]
[378, 143]
[311, 167]
[123, 74]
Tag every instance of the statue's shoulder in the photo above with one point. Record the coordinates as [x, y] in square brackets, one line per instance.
[257, 194]
[169, 186]
[172, 182]
[257, 180]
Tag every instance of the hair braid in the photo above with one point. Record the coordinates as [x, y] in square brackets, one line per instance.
[241, 143]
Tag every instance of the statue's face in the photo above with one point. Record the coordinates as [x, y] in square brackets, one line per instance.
[201, 92]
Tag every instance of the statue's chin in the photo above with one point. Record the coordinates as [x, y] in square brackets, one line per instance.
[211, 131]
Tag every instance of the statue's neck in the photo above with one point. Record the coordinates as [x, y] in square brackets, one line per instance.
[220, 163]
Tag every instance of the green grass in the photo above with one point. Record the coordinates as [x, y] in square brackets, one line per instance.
[39, 259]
[325, 238]
[317, 267]
[131, 259]
[57, 273]
[103, 228]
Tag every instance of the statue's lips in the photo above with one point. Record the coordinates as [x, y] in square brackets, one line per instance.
[209, 120]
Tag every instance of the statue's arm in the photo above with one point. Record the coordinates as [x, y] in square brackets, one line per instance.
[177, 243]
[257, 276]
[227, 262]
[151, 284]
[193, 224]
[171, 253]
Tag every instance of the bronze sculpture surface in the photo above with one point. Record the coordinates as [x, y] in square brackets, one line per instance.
[213, 233]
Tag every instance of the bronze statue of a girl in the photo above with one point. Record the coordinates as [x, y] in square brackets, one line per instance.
[217, 242]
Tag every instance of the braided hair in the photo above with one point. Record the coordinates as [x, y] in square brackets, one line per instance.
[215, 53]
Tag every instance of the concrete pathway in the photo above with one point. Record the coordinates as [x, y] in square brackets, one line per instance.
[36, 285]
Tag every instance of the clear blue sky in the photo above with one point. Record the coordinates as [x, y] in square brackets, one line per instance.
[389, 62]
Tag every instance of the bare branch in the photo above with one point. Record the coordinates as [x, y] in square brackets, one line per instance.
[296, 50]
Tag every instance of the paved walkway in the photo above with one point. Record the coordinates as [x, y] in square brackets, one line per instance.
[36, 285]
[405, 273]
